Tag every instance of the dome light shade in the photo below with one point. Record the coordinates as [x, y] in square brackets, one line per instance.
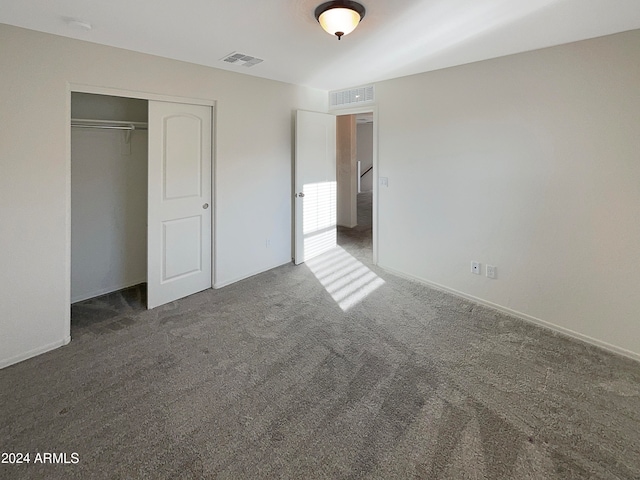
[339, 17]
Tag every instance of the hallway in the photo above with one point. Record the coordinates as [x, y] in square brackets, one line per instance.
[358, 240]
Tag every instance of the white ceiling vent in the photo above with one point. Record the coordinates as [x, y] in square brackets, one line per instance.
[353, 96]
[241, 59]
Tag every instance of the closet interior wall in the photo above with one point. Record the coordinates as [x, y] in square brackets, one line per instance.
[108, 197]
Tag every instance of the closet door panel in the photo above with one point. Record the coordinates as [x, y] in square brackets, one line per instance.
[182, 162]
[180, 184]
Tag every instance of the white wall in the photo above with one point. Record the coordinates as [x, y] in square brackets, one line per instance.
[108, 211]
[346, 175]
[529, 163]
[365, 154]
[253, 163]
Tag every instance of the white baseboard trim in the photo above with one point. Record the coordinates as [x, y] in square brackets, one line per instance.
[104, 291]
[33, 353]
[248, 275]
[523, 316]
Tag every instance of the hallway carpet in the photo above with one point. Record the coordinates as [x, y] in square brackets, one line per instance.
[329, 370]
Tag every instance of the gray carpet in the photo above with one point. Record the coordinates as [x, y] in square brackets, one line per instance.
[270, 378]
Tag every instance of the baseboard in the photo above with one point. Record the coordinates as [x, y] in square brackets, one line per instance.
[523, 316]
[105, 291]
[33, 353]
[248, 275]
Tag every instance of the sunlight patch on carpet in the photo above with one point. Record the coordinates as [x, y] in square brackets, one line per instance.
[346, 279]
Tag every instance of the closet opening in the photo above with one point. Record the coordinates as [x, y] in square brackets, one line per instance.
[109, 196]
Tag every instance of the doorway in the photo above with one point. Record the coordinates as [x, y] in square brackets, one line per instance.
[355, 185]
[316, 199]
[141, 190]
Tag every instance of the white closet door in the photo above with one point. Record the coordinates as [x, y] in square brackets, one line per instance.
[179, 214]
[315, 183]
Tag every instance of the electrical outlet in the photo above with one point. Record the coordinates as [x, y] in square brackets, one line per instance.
[384, 181]
[475, 268]
[492, 271]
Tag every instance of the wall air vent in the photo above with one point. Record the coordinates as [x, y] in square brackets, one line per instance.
[351, 97]
[241, 59]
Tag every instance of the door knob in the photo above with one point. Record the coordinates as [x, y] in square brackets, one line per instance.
[205, 206]
[300, 194]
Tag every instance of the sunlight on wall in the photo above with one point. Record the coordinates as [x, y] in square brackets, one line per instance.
[346, 279]
[319, 218]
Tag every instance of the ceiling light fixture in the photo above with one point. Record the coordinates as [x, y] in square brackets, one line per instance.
[340, 17]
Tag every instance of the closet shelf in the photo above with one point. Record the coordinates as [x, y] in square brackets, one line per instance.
[108, 124]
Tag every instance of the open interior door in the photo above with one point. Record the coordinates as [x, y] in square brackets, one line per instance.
[179, 212]
[315, 185]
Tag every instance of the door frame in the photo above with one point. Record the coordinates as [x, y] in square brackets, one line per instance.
[117, 92]
[374, 200]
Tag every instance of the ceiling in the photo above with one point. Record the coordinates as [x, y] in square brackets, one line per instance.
[396, 38]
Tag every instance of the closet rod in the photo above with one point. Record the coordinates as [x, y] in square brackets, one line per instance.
[108, 124]
[106, 127]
